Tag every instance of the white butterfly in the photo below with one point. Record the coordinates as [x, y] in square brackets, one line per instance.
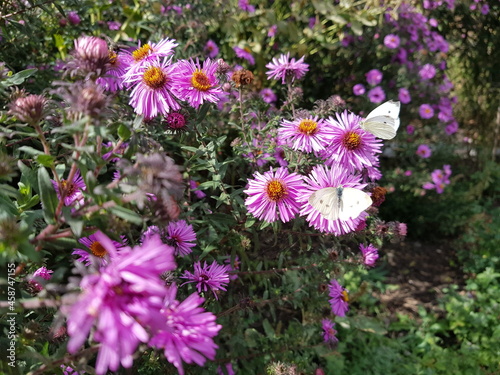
[383, 121]
[340, 203]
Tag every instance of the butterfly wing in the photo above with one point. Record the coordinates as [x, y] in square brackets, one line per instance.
[383, 127]
[326, 202]
[390, 109]
[352, 203]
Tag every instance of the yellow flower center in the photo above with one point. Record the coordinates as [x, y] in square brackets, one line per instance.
[276, 190]
[200, 81]
[70, 188]
[112, 57]
[97, 249]
[345, 296]
[142, 52]
[154, 77]
[351, 141]
[308, 127]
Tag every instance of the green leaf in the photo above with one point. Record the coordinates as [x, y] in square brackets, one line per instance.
[45, 160]
[30, 150]
[20, 77]
[124, 132]
[76, 224]
[48, 195]
[126, 214]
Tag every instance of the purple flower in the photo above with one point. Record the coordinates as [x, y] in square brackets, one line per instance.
[268, 95]
[485, 9]
[329, 331]
[116, 68]
[244, 53]
[303, 134]
[404, 96]
[285, 69]
[358, 89]
[433, 22]
[339, 300]
[323, 177]
[370, 254]
[114, 25]
[374, 77]
[73, 189]
[195, 83]
[211, 277]
[272, 31]
[410, 129]
[40, 274]
[193, 185]
[376, 95]
[245, 6]
[426, 111]
[152, 88]
[211, 49]
[451, 128]
[181, 236]
[428, 71]
[348, 145]
[121, 301]
[187, 332]
[391, 41]
[424, 151]
[273, 195]
[74, 18]
[98, 253]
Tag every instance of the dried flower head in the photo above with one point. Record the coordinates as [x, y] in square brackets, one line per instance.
[29, 109]
[176, 121]
[85, 98]
[222, 67]
[242, 77]
[378, 195]
[90, 56]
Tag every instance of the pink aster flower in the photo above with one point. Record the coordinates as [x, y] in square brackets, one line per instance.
[114, 25]
[245, 5]
[229, 370]
[329, 331]
[194, 188]
[303, 134]
[285, 69]
[74, 18]
[376, 95]
[410, 129]
[98, 254]
[116, 68]
[427, 72]
[358, 89]
[404, 96]
[339, 300]
[211, 277]
[152, 88]
[244, 53]
[268, 95]
[211, 49]
[370, 254]
[195, 83]
[451, 128]
[120, 301]
[323, 177]
[188, 332]
[37, 279]
[424, 151]
[348, 144]
[374, 77]
[426, 111]
[72, 188]
[273, 195]
[181, 236]
[391, 41]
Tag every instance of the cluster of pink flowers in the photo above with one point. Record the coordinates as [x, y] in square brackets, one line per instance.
[440, 178]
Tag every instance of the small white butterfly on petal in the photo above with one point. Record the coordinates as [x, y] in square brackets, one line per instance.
[383, 121]
[340, 203]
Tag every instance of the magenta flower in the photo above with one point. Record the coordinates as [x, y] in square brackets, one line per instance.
[404, 96]
[339, 300]
[285, 69]
[211, 49]
[74, 18]
[187, 332]
[36, 280]
[426, 111]
[245, 6]
[348, 144]
[303, 134]
[370, 254]
[323, 177]
[410, 129]
[195, 83]
[451, 128]
[358, 89]
[229, 370]
[374, 77]
[181, 236]
[114, 25]
[211, 277]
[244, 53]
[120, 301]
[329, 331]
[272, 31]
[152, 89]
[391, 41]
[194, 188]
[376, 95]
[72, 188]
[98, 253]
[427, 72]
[268, 95]
[273, 195]
[424, 151]
[116, 68]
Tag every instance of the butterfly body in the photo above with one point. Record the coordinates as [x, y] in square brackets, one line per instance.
[383, 122]
[340, 203]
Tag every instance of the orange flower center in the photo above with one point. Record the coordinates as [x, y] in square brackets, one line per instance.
[276, 190]
[70, 188]
[308, 127]
[345, 296]
[142, 52]
[351, 141]
[97, 249]
[112, 57]
[200, 81]
[155, 78]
